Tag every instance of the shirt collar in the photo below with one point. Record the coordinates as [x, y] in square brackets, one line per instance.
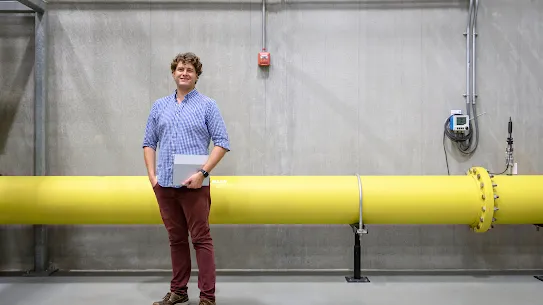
[189, 95]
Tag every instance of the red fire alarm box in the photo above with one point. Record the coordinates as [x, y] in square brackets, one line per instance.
[264, 58]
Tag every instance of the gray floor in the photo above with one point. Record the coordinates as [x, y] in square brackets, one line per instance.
[268, 290]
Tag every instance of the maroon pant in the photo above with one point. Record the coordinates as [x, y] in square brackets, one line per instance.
[186, 210]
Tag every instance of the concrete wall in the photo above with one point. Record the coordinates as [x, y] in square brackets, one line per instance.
[353, 87]
[16, 125]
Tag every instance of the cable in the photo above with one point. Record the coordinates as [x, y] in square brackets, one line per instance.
[464, 141]
[506, 168]
[445, 151]
[509, 150]
[457, 138]
[461, 138]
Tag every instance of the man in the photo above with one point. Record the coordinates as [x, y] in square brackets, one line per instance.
[184, 123]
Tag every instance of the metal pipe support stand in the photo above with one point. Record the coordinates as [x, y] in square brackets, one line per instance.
[358, 229]
[42, 266]
[357, 277]
[537, 227]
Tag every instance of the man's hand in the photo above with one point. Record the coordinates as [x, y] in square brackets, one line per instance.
[194, 181]
[153, 181]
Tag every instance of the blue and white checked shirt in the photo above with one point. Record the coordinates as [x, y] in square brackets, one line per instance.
[183, 128]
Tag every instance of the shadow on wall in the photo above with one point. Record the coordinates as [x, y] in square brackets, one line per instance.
[272, 5]
[15, 69]
[16, 76]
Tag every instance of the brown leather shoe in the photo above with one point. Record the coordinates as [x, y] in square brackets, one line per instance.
[172, 298]
[207, 302]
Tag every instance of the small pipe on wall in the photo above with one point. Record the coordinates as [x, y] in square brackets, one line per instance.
[263, 25]
[264, 55]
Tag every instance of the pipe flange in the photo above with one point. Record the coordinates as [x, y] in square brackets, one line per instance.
[496, 201]
[487, 199]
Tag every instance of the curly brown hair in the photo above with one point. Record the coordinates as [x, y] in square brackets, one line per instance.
[187, 58]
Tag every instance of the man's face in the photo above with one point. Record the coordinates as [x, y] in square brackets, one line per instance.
[185, 75]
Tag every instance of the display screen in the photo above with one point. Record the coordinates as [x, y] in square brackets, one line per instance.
[461, 120]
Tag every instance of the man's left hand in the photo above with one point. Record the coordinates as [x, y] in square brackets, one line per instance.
[194, 181]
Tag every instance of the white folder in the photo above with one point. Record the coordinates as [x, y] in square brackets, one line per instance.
[185, 166]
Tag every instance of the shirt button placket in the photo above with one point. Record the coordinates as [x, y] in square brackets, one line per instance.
[178, 116]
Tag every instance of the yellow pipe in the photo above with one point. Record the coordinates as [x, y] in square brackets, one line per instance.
[520, 199]
[465, 200]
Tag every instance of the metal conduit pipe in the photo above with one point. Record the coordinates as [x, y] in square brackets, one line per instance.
[263, 24]
[468, 143]
[473, 54]
[468, 58]
[477, 199]
[41, 256]
[474, 116]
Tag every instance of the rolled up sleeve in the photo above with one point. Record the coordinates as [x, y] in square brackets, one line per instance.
[217, 127]
[150, 138]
